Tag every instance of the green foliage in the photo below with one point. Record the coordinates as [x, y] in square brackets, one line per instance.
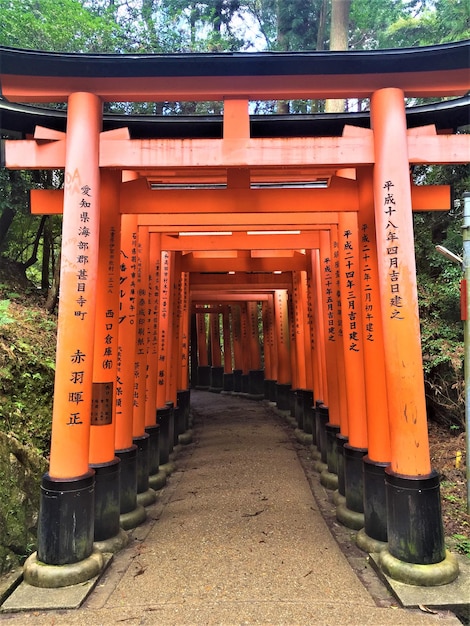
[462, 543]
[46, 25]
[439, 299]
[27, 364]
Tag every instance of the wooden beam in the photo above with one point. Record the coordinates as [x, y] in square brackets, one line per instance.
[174, 209]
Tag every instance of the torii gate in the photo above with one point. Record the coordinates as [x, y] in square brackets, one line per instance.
[355, 237]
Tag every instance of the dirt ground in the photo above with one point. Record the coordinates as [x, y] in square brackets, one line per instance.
[448, 457]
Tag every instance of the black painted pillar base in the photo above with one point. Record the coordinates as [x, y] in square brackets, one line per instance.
[256, 384]
[107, 496]
[145, 495]
[245, 384]
[66, 519]
[157, 478]
[282, 396]
[375, 501]
[308, 411]
[216, 379]
[299, 407]
[203, 377]
[329, 476]
[132, 513]
[228, 382]
[322, 418]
[171, 426]
[237, 381]
[183, 400]
[416, 552]
[415, 530]
[351, 512]
[163, 420]
[341, 440]
[292, 395]
[154, 448]
[270, 389]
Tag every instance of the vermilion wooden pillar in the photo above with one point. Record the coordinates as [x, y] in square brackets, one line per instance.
[132, 513]
[415, 531]
[237, 348]
[300, 336]
[203, 369]
[107, 532]
[351, 513]
[228, 354]
[145, 495]
[283, 349]
[270, 352]
[183, 393]
[255, 373]
[157, 478]
[374, 533]
[246, 347]
[217, 370]
[67, 499]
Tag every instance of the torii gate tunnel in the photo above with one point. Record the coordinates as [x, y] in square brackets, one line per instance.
[183, 236]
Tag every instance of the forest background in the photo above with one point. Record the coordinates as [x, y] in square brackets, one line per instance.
[30, 245]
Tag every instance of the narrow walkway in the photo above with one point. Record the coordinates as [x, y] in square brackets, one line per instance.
[236, 538]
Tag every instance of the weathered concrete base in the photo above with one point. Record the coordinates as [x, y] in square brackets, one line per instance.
[157, 481]
[347, 517]
[338, 498]
[315, 453]
[113, 544]
[27, 597]
[168, 468]
[39, 574]
[303, 437]
[368, 544]
[186, 438]
[423, 575]
[453, 596]
[319, 466]
[329, 480]
[133, 518]
[147, 498]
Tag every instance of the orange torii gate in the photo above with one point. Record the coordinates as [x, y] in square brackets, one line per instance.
[358, 256]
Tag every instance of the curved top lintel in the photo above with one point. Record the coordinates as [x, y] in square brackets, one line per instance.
[35, 76]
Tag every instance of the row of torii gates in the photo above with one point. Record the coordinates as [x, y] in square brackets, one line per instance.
[308, 234]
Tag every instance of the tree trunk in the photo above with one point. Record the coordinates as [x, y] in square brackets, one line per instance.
[53, 295]
[6, 220]
[338, 41]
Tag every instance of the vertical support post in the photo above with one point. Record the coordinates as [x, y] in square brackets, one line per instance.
[415, 530]
[217, 370]
[109, 537]
[237, 348]
[203, 369]
[373, 536]
[466, 269]
[351, 513]
[255, 373]
[283, 349]
[157, 478]
[228, 357]
[65, 529]
[132, 513]
[145, 494]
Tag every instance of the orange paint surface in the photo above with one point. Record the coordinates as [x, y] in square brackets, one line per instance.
[80, 246]
[397, 276]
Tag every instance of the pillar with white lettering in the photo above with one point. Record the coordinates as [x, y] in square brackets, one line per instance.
[66, 518]
[415, 529]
